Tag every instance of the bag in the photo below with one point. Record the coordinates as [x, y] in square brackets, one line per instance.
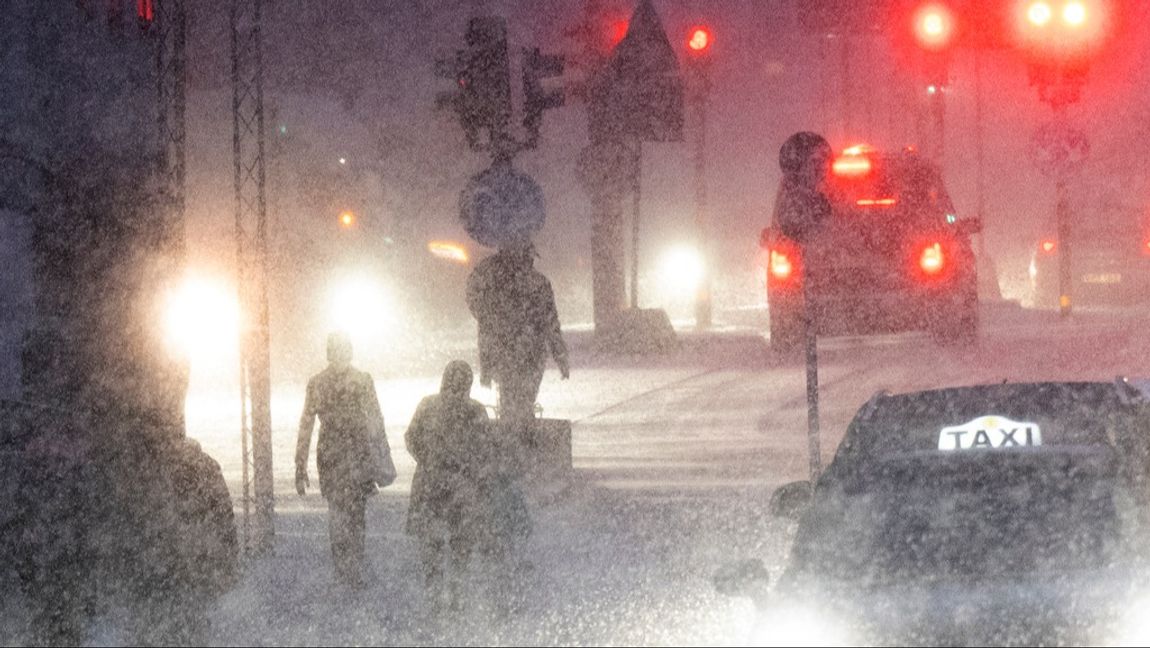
[383, 471]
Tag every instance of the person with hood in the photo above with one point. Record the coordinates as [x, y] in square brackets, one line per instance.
[514, 306]
[344, 400]
[449, 440]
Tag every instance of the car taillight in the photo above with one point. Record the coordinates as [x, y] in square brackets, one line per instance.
[851, 166]
[1048, 246]
[932, 259]
[780, 266]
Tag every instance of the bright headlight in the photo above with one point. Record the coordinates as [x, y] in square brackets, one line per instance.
[362, 307]
[201, 321]
[681, 271]
[799, 626]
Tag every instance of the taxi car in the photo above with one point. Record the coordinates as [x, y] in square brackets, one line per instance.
[894, 255]
[1002, 514]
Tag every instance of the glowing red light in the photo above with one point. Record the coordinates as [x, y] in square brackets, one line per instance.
[781, 267]
[1074, 14]
[617, 31]
[932, 259]
[146, 11]
[1039, 13]
[1048, 246]
[851, 166]
[700, 40]
[934, 26]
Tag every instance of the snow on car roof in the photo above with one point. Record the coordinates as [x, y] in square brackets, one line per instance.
[1012, 415]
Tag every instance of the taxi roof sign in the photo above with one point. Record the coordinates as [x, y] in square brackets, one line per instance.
[989, 433]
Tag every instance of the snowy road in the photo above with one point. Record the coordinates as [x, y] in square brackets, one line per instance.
[675, 456]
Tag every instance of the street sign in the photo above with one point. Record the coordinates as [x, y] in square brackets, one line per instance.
[640, 93]
[502, 206]
[1058, 148]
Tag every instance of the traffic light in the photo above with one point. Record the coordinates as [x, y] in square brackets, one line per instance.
[1059, 38]
[536, 99]
[699, 41]
[146, 12]
[482, 97]
[1062, 28]
[935, 28]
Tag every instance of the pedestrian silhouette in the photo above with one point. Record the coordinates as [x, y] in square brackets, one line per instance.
[514, 306]
[344, 400]
[449, 440]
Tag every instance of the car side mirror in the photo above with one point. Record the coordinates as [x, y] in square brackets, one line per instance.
[743, 579]
[969, 226]
[790, 500]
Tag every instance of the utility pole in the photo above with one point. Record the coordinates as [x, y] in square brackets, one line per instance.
[252, 263]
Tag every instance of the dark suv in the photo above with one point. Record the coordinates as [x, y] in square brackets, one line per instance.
[894, 255]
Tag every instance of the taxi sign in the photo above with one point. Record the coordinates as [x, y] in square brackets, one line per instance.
[990, 433]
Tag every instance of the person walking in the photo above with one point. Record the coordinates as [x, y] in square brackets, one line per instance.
[514, 306]
[344, 400]
[448, 440]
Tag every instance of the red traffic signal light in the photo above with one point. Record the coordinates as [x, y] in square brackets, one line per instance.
[1062, 27]
[699, 40]
[934, 26]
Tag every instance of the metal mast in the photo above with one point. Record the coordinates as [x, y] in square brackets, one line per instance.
[171, 84]
[252, 262]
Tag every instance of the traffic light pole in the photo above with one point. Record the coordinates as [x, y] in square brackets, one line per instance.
[636, 211]
[1062, 218]
[703, 312]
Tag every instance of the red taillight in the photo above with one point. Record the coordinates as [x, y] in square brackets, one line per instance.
[851, 166]
[932, 260]
[780, 266]
[145, 12]
[1048, 246]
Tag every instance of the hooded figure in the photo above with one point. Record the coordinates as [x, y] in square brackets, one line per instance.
[449, 441]
[344, 400]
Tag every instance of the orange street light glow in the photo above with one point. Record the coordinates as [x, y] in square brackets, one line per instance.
[347, 219]
[449, 251]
